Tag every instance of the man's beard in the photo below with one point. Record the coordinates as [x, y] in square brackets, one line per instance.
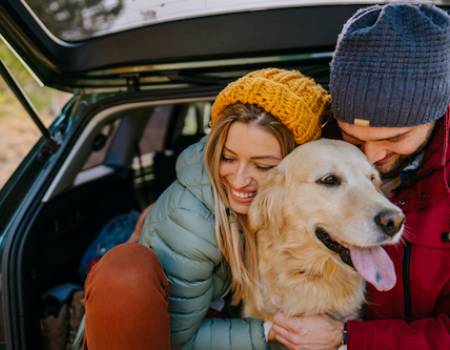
[401, 162]
[396, 168]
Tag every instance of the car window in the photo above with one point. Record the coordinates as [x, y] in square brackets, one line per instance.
[167, 132]
[18, 133]
[79, 20]
[177, 127]
[154, 135]
[197, 118]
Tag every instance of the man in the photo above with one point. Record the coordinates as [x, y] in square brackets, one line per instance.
[390, 89]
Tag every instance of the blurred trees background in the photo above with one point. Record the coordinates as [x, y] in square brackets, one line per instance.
[44, 99]
[69, 20]
[18, 133]
[76, 19]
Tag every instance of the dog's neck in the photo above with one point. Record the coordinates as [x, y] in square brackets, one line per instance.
[302, 280]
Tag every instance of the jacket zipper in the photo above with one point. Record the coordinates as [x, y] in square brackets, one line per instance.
[406, 285]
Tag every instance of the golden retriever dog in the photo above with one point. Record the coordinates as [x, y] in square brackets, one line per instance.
[318, 223]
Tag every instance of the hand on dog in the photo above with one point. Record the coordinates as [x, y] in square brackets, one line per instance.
[307, 333]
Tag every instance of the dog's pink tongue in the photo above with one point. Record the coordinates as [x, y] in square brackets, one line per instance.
[375, 266]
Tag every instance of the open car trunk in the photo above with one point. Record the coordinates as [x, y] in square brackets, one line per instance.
[118, 154]
[122, 159]
[58, 238]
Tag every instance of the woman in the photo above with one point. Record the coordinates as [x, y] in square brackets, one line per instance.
[196, 228]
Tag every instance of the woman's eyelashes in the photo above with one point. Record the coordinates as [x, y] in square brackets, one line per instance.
[227, 158]
[259, 166]
[264, 167]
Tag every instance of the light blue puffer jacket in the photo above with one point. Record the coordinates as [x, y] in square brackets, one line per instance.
[180, 230]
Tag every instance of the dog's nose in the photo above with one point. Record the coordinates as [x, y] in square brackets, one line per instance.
[389, 221]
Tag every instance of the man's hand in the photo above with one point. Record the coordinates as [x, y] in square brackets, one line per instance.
[307, 333]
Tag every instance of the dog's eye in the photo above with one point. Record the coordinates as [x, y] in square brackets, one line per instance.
[329, 180]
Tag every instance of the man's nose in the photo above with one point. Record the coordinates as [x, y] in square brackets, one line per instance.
[374, 151]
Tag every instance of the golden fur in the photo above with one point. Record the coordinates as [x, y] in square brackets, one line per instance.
[296, 273]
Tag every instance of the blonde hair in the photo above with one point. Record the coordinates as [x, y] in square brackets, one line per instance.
[238, 250]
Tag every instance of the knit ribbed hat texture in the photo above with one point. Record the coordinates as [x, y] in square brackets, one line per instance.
[391, 66]
[296, 100]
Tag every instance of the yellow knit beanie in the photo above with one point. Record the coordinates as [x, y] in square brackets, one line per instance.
[296, 100]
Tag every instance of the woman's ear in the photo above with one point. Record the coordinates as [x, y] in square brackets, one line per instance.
[266, 209]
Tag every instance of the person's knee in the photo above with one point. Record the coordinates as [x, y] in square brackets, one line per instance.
[127, 284]
[127, 269]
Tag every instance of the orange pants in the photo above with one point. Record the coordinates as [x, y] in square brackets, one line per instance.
[126, 301]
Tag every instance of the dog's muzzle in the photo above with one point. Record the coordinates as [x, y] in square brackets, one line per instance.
[334, 246]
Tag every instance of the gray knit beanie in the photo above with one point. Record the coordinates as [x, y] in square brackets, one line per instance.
[391, 66]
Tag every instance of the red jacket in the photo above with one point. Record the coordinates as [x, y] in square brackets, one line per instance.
[415, 314]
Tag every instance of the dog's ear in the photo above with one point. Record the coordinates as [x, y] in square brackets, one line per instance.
[266, 209]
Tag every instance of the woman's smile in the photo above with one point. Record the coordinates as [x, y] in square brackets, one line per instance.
[242, 196]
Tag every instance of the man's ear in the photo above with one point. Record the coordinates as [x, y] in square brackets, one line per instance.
[266, 209]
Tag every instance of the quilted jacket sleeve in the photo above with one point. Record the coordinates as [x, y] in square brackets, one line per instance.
[180, 229]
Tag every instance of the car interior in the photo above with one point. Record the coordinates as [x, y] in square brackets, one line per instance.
[123, 157]
[122, 162]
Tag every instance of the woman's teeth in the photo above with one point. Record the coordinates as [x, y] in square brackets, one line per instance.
[243, 195]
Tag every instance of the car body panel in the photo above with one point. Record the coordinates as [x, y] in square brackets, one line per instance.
[136, 53]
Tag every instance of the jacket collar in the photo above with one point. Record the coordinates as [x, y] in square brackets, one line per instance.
[437, 153]
[418, 192]
[191, 173]
[430, 185]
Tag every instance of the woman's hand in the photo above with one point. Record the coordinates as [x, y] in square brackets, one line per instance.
[307, 333]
